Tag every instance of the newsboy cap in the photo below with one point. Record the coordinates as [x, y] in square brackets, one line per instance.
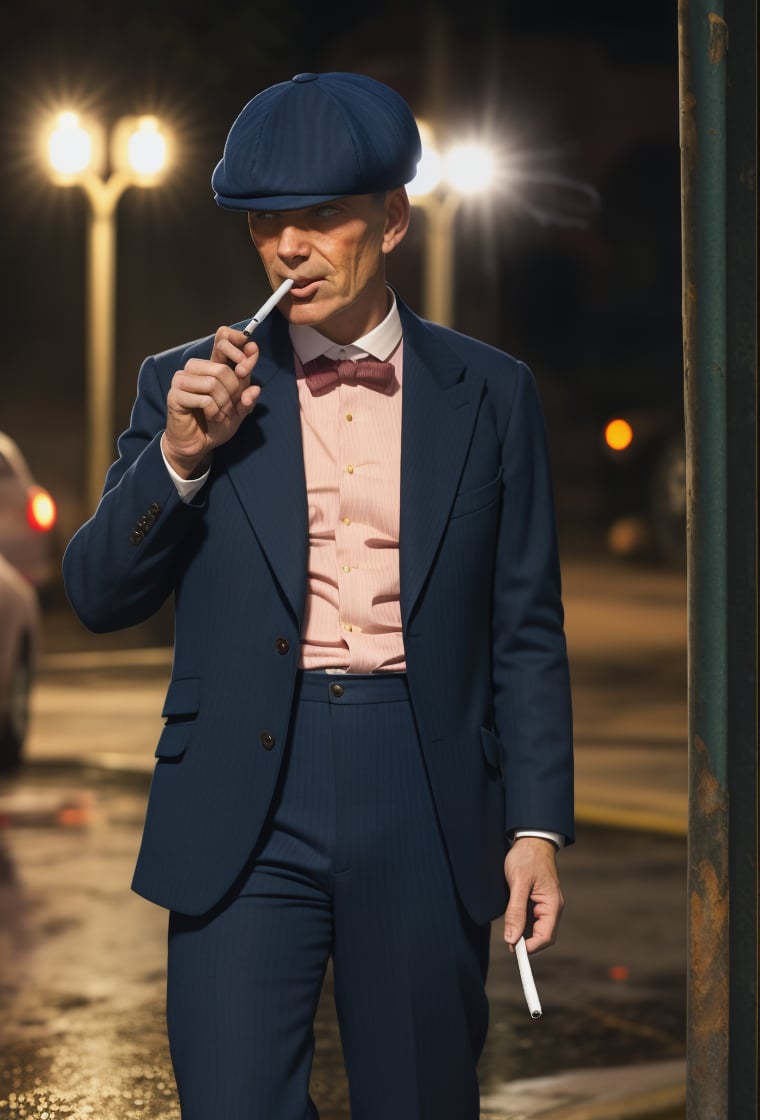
[315, 138]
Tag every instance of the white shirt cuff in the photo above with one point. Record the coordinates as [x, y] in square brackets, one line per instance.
[555, 837]
[187, 488]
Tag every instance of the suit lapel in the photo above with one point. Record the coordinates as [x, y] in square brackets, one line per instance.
[265, 465]
[441, 397]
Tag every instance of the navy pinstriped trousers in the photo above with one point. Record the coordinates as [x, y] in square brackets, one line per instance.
[352, 866]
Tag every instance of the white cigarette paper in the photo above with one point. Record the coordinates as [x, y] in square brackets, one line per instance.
[526, 977]
[268, 306]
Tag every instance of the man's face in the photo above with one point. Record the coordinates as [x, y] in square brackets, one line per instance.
[335, 252]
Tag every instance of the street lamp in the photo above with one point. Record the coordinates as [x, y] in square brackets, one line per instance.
[442, 183]
[549, 197]
[139, 151]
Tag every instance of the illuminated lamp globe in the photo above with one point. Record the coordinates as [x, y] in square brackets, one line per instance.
[470, 168]
[146, 148]
[430, 167]
[70, 146]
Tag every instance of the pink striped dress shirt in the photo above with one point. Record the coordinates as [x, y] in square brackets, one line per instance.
[352, 457]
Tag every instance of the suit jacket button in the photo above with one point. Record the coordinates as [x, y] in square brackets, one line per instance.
[154, 508]
[282, 645]
[267, 740]
[136, 536]
[336, 690]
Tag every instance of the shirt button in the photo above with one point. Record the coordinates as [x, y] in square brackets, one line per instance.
[349, 469]
[349, 417]
[347, 626]
[346, 568]
[342, 355]
[346, 520]
[282, 645]
[267, 740]
[336, 690]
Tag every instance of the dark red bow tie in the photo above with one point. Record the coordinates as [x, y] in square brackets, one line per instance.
[323, 372]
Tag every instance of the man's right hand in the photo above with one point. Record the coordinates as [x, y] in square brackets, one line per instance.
[207, 402]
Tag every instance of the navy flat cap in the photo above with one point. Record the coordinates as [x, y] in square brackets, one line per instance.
[315, 138]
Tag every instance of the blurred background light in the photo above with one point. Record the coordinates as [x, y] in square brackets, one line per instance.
[429, 173]
[618, 435]
[146, 148]
[70, 145]
[430, 167]
[41, 511]
[470, 168]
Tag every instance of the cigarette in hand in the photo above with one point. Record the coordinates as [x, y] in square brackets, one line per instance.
[526, 977]
[268, 306]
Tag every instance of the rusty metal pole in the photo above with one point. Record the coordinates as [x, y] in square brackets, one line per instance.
[720, 358]
[702, 96]
[742, 547]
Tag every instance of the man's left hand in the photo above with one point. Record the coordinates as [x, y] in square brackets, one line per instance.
[531, 872]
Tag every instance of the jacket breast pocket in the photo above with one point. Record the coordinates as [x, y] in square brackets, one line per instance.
[180, 710]
[470, 501]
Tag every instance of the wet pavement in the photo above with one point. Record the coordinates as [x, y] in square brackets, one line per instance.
[82, 962]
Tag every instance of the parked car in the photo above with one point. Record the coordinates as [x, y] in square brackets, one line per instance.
[28, 513]
[19, 630]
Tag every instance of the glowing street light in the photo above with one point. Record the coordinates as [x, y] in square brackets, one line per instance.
[69, 146]
[440, 186]
[470, 168]
[443, 181]
[139, 154]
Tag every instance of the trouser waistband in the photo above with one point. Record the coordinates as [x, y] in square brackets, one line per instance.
[351, 688]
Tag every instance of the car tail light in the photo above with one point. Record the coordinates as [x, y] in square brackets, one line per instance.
[41, 510]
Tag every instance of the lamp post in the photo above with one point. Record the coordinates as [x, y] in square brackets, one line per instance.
[138, 157]
[442, 183]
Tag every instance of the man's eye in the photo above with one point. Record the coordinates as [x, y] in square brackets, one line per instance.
[327, 211]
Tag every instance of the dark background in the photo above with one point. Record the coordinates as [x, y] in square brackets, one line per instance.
[586, 91]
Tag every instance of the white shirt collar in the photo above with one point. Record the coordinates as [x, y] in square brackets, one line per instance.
[378, 343]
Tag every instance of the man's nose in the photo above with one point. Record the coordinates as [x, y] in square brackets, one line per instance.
[293, 243]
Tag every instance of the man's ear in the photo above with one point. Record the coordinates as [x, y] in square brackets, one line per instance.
[397, 213]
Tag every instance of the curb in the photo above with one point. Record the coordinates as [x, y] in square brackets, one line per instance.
[605, 1093]
[660, 1104]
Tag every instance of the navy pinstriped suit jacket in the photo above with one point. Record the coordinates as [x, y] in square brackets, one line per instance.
[480, 603]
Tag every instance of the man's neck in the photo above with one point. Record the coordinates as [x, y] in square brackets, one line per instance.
[309, 342]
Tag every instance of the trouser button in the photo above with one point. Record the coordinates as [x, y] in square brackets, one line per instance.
[336, 691]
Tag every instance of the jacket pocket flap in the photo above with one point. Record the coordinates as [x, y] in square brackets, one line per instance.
[491, 748]
[468, 501]
[173, 741]
[183, 697]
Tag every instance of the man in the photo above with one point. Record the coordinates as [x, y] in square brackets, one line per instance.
[368, 723]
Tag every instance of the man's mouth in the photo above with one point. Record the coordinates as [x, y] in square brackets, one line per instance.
[304, 289]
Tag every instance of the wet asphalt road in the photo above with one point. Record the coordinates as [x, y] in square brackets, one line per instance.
[82, 961]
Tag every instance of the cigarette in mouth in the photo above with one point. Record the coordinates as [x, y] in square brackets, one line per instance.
[268, 306]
